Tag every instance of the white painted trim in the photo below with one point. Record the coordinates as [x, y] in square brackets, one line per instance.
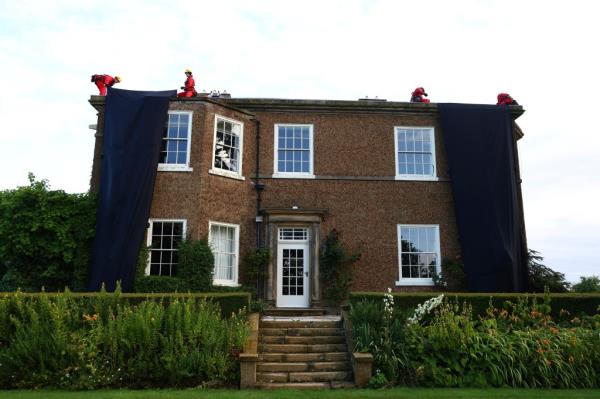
[222, 172]
[226, 173]
[294, 175]
[295, 301]
[415, 177]
[236, 227]
[149, 236]
[417, 281]
[172, 167]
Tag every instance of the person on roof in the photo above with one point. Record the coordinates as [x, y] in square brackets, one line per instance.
[189, 87]
[105, 81]
[506, 99]
[417, 96]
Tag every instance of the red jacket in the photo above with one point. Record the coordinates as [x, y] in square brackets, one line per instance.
[190, 85]
[106, 79]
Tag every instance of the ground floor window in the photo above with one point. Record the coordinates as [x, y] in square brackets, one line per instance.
[418, 253]
[224, 241]
[164, 237]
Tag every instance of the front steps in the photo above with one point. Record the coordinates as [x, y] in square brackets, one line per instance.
[299, 351]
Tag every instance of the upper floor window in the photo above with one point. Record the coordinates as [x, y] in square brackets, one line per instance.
[164, 237]
[419, 254]
[227, 147]
[293, 150]
[224, 241]
[175, 149]
[415, 153]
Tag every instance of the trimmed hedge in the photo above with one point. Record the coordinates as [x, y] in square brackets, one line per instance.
[229, 302]
[575, 304]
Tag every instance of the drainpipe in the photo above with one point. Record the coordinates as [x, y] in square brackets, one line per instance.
[258, 186]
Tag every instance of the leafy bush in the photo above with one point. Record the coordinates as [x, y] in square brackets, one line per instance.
[452, 278]
[518, 344]
[256, 262]
[335, 270]
[196, 264]
[104, 340]
[45, 238]
[587, 284]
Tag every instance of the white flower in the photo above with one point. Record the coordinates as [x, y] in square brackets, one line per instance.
[425, 308]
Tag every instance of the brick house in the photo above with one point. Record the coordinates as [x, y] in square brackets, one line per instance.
[284, 173]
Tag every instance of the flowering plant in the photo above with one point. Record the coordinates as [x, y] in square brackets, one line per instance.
[424, 309]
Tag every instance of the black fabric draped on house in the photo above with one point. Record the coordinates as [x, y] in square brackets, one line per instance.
[480, 149]
[133, 129]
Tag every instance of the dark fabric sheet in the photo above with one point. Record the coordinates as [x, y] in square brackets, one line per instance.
[480, 150]
[133, 129]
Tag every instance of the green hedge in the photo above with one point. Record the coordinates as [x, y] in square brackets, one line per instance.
[89, 341]
[229, 302]
[576, 304]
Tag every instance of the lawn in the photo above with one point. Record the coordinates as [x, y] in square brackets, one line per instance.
[398, 393]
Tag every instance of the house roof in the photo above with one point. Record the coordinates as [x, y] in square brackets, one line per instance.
[368, 106]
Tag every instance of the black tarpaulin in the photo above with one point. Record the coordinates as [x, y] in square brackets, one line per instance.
[480, 150]
[133, 129]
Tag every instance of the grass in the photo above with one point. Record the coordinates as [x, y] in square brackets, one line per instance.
[397, 393]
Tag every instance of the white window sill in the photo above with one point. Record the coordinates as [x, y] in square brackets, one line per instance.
[417, 178]
[420, 282]
[293, 176]
[225, 173]
[165, 167]
[226, 283]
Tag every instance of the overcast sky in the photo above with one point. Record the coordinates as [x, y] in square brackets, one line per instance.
[544, 53]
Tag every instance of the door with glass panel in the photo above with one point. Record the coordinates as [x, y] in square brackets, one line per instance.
[292, 268]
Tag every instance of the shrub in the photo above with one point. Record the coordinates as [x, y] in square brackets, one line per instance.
[335, 270]
[516, 345]
[45, 237]
[105, 340]
[256, 262]
[452, 278]
[196, 264]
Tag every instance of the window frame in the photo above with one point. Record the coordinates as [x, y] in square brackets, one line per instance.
[149, 238]
[294, 175]
[236, 227]
[398, 176]
[408, 281]
[227, 173]
[170, 167]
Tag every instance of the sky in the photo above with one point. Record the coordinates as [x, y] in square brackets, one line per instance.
[544, 53]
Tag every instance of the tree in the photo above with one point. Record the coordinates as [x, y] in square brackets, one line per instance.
[588, 284]
[541, 276]
[45, 237]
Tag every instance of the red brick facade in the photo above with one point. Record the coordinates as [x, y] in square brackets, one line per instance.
[354, 188]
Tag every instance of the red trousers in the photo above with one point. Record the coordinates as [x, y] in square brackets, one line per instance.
[186, 94]
[101, 86]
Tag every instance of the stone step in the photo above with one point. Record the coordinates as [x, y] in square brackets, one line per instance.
[310, 323]
[304, 357]
[306, 385]
[300, 348]
[301, 332]
[308, 376]
[309, 340]
[276, 367]
[294, 385]
[294, 312]
[320, 376]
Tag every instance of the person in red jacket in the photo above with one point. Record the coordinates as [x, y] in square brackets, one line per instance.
[506, 99]
[104, 81]
[189, 88]
[417, 96]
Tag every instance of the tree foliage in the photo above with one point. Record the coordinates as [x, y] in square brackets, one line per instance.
[45, 237]
[541, 276]
[587, 284]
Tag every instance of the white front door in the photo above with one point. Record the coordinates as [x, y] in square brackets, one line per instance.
[292, 274]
